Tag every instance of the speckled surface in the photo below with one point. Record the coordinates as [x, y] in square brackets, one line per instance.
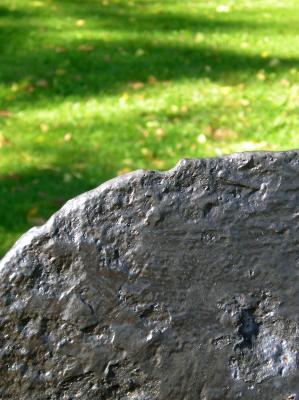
[180, 285]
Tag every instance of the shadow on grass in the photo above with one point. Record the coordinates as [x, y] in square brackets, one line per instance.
[100, 66]
[30, 198]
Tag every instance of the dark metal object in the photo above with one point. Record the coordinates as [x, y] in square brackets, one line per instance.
[180, 285]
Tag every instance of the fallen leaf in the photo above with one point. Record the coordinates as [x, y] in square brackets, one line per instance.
[152, 80]
[4, 141]
[86, 47]
[174, 109]
[158, 163]
[30, 88]
[264, 54]
[152, 124]
[184, 109]
[5, 114]
[285, 82]
[127, 161]
[224, 133]
[201, 138]
[14, 87]
[32, 212]
[146, 152]
[123, 171]
[44, 128]
[199, 37]
[244, 102]
[139, 53]
[67, 177]
[160, 133]
[60, 72]
[274, 62]
[123, 99]
[244, 45]
[42, 83]
[67, 137]
[80, 22]
[261, 75]
[137, 85]
[59, 49]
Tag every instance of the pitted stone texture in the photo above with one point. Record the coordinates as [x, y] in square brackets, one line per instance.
[160, 286]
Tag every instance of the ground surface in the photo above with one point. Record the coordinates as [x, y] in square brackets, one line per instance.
[92, 89]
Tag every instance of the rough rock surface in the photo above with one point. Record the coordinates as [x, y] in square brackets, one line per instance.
[180, 285]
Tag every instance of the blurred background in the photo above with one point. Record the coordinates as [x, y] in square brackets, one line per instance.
[96, 88]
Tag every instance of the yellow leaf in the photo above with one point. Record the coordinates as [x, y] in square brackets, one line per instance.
[123, 99]
[201, 138]
[184, 109]
[37, 4]
[80, 22]
[199, 37]
[244, 102]
[123, 171]
[158, 163]
[244, 45]
[44, 128]
[139, 53]
[261, 75]
[14, 87]
[224, 133]
[67, 137]
[264, 54]
[160, 133]
[145, 152]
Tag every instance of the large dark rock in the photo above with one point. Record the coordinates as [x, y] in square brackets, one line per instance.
[160, 286]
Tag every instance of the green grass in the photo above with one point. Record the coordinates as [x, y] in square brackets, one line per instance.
[91, 89]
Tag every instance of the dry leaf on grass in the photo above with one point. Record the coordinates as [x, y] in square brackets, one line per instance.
[224, 133]
[86, 48]
[5, 114]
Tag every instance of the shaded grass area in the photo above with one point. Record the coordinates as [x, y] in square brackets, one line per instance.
[92, 89]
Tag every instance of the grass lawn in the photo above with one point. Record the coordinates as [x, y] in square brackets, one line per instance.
[95, 88]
